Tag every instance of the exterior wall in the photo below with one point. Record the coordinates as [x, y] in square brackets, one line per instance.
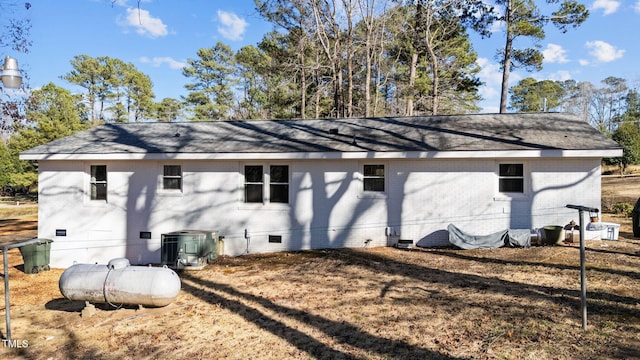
[327, 207]
[465, 193]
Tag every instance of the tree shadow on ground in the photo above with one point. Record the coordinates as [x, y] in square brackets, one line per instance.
[342, 332]
[459, 255]
[456, 293]
[472, 282]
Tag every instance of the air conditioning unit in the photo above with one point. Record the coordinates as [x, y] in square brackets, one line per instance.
[188, 249]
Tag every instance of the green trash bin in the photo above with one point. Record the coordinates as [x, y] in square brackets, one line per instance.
[553, 235]
[36, 256]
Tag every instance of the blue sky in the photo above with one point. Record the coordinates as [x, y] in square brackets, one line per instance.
[160, 37]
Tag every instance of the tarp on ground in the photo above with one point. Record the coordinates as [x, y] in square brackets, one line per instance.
[508, 238]
[519, 238]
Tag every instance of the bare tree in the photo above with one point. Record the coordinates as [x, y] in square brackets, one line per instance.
[14, 37]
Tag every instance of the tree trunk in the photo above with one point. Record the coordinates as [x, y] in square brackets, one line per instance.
[434, 76]
[339, 88]
[506, 62]
[412, 81]
[303, 87]
[350, 50]
[332, 51]
[367, 84]
[350, 84]
[367, 10]
[378, 76]
[318, 91]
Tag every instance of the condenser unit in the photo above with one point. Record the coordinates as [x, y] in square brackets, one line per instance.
[188, 249]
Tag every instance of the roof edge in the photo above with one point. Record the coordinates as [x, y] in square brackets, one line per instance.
[548, 153]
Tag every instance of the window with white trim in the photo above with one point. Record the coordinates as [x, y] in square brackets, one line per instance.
[373, 178]
[253, 184]
[172, 177]
[511, 178]
[98, 182]
[266, 184]
[279, 184]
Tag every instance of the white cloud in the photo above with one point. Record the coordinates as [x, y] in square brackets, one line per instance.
[491, 109]
[489, 93]
[583, 62]
[604, 52]
[233, 26]
[158, 61]
[637, 6]
[129, 3]
[144, 23]
[491, 76]
[497, 27]
[514, 77]
[561, 75]
[555, 54]
[490, 72]
[609, 6]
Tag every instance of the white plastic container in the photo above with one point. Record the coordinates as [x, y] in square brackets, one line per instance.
[602, 231]
[610, 231]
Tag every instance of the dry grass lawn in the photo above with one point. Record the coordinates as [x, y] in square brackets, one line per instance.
[378, 303]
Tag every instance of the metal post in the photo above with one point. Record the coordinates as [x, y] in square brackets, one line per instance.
[5, 249]
[583, 274]
[583, 267]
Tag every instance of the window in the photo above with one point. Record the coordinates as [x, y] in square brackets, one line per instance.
[253, 183]
[98, 182]
[373, 178]
[511, 178]
[257, 176]
[172, 177]
[279, 184]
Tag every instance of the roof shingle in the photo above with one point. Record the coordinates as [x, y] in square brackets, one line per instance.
[480, 132]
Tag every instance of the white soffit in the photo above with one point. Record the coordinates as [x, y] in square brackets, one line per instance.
[335, 155]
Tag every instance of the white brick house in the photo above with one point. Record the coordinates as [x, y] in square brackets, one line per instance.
[269, 186]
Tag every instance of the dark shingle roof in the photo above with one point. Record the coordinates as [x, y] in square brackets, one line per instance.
[480, 132]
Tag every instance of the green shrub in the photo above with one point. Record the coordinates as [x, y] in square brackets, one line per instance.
[623, 208]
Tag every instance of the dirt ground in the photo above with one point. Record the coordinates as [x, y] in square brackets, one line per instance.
[369, 303]
[620, 190]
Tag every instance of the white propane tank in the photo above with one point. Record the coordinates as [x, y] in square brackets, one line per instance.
[120, 283]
